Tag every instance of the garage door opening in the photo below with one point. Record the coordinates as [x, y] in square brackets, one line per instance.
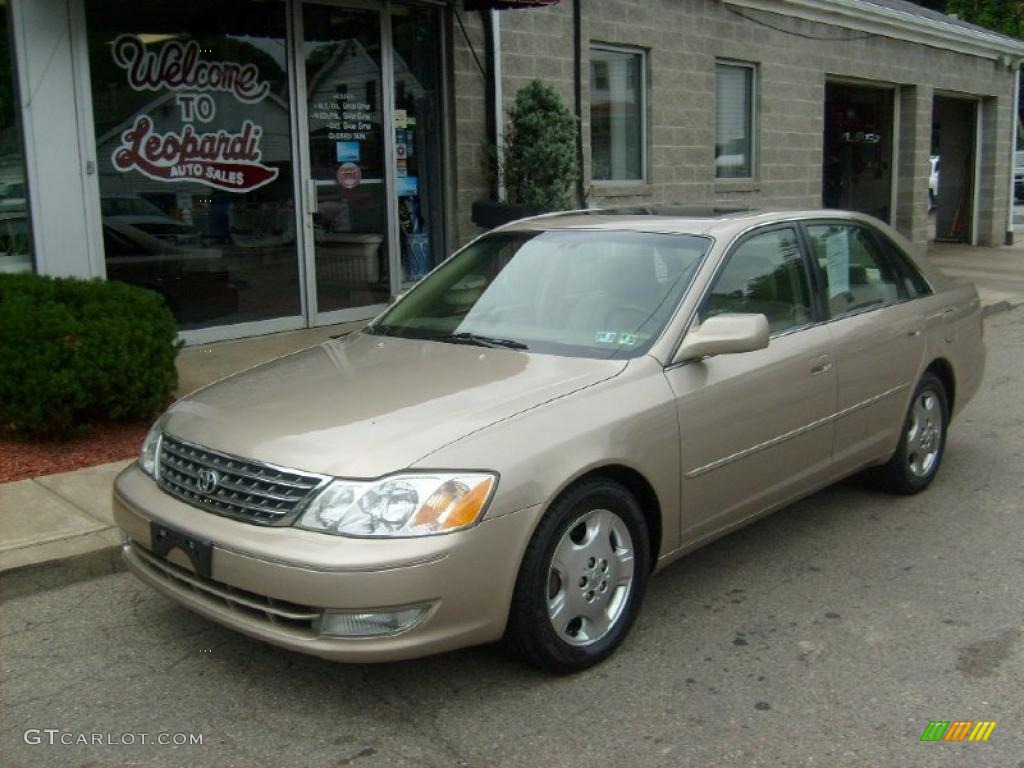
[858, 149]
[952, 169]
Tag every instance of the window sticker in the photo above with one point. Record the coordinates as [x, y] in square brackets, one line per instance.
[837, 261]
[623, 339]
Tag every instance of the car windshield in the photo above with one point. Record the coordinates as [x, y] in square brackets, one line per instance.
[582, 293]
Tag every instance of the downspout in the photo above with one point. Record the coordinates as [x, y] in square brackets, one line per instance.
[498, 115]
[577, 34]
[1013, 153]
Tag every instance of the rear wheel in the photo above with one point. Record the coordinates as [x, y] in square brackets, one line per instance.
[582, 580]
[919, 454]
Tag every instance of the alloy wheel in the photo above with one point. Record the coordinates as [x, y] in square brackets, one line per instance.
[924, 436]
[590, 577]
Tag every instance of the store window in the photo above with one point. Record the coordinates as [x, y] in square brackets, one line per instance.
[618, 121]
[734, 120]
[15, 233]
[192, 123]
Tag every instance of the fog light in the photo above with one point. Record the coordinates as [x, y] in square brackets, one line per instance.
[369, 624]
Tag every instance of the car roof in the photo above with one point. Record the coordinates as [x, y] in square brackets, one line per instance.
[721, 223]
[673, 219]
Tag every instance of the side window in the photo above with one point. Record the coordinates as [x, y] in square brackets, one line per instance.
[858, 276]
[913, 280]
[765, 275]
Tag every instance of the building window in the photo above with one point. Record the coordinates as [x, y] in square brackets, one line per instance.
[618, 120]
[194, 143]
[15, 233]
[734, 121]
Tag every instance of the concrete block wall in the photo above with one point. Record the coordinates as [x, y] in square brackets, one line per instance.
[915, 134]
[468, 91]
[795, 59]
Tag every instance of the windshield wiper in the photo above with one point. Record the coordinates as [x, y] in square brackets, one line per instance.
[479, 341]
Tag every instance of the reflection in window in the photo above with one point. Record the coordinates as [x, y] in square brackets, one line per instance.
[617, 121]
[15, 235]
[858, 275]
[765, 275]
[345, 119]
[734, 121]
[194, 147]
[418, 141]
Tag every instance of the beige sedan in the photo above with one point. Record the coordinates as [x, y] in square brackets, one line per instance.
[563, 407]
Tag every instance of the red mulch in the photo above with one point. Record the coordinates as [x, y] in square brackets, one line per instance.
[105, 442]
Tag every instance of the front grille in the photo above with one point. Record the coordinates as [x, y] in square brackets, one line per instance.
[281, 613]
[243, 489]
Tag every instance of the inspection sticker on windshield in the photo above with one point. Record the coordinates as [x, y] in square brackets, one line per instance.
[613, 337]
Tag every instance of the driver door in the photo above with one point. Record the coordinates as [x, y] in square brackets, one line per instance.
[756, 427]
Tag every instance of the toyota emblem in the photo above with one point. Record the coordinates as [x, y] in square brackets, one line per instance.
[207, 481]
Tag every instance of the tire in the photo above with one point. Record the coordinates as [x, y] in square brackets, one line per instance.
[915, 463]
[572, 605]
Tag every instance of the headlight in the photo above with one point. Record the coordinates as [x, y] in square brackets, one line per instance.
[400, 505]
[150, 450]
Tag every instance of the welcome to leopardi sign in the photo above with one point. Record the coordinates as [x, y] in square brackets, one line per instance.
[222, 159]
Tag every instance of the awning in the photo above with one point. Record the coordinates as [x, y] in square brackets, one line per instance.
[504, 5]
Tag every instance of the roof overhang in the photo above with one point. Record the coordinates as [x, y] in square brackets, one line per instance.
[866, 16]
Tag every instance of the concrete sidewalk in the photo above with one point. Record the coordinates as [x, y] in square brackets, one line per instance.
[997, 272]
[58, 529]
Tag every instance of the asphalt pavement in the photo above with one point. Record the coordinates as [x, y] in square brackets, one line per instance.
[829, 634]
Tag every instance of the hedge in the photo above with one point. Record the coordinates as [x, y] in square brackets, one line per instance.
[74, 352]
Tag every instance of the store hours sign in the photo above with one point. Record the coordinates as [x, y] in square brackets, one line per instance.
[222, 159]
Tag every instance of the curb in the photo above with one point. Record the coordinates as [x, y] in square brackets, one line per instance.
[61, 572]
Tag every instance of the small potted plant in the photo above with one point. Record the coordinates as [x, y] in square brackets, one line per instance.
[539, 165]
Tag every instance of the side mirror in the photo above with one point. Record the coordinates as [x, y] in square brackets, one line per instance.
[723, 335]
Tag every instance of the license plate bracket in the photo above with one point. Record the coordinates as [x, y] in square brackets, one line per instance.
[199, 552]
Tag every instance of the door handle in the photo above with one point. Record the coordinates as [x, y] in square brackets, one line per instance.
[312, 204]
[821, 364]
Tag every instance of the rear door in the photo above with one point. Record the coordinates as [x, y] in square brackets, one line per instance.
[878, 333]
[755, 427]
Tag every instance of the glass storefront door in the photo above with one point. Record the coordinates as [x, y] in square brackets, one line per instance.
[373, 138]
[348, 190]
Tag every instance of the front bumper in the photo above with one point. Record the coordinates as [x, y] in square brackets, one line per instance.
[271, 583]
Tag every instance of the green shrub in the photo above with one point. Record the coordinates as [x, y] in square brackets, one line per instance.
[540, 162]
[73, 352]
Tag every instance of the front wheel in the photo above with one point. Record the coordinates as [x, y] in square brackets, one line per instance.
[919, 454]
[582, 579]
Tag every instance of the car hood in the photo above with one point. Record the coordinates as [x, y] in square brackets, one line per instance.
[367, 405]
